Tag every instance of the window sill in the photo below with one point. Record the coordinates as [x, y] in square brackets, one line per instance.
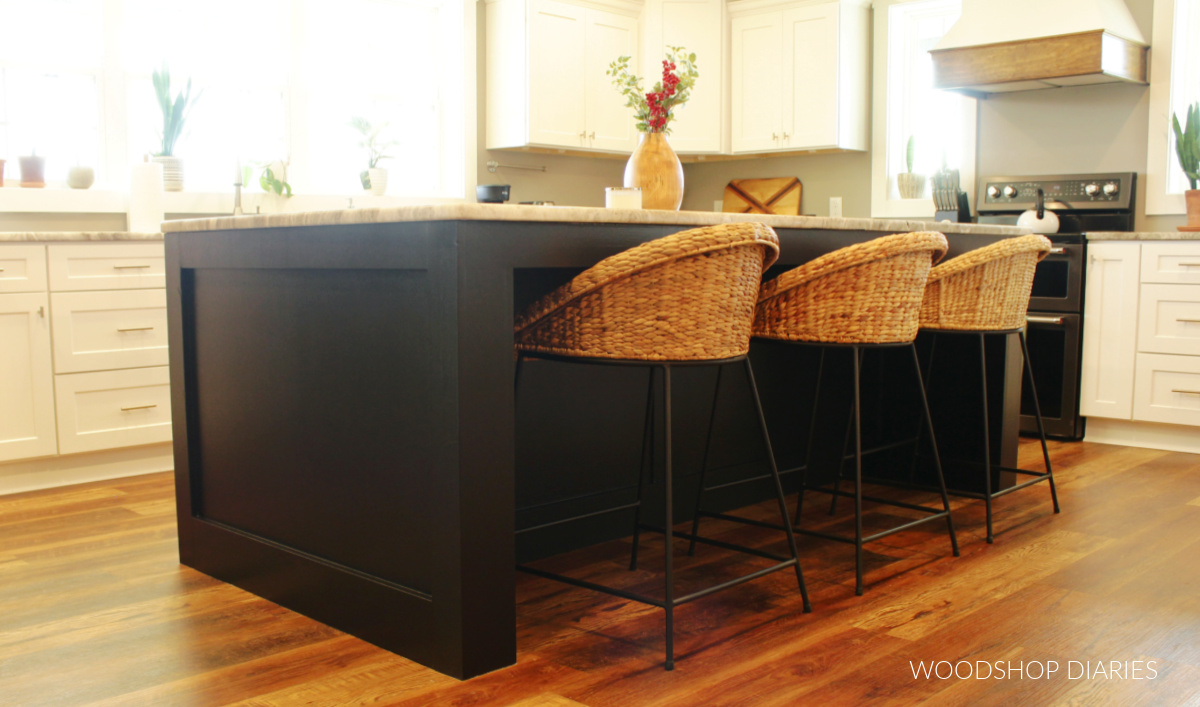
[14, 199]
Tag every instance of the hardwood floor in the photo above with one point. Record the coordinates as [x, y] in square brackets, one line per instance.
[95, 609]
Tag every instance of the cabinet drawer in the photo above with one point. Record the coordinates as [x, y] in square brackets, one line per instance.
[113, 409]
[1167, 389]
[22, 268]
[1171, 262]
[1169, 319]
[96, 331]
[105, 266]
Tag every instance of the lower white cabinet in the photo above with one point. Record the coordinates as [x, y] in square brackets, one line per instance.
[109, 409]
[83, 363]
[1140, 375]
[26, 381]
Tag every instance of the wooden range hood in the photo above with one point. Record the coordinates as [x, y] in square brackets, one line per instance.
[1082, 42]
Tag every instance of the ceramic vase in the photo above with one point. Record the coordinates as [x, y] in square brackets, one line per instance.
[378, 177]
[172, 172]
[655, 168]
[1192, 199]
[81, 177]
[33, 171]
[911, 186]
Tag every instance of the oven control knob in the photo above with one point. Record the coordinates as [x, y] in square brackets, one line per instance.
[1091, 189]
[1110, 188]
[993, 191]
[1010, 191]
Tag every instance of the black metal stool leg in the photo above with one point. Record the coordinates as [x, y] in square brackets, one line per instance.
[787, 523]
[987, 440]
[1037, 413]
[646, 460]
[858, 525]
[937, 457]
[712, 417]
[812, 426]
[669, 527]
[926, 377]
[837, 480]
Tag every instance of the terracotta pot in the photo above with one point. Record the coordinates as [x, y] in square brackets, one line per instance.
[172, 172]
[1192, 199]
[655, 168]
[911, 186]
[33, 171]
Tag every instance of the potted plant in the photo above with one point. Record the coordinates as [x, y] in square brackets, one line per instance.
[654, 167]
[911, 186]
[374, 178]
[1187, 149]
[33, 170]
[273, 179]
[174, 113]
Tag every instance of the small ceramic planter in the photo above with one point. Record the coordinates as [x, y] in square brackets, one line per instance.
[379, 178]
[81, 177]
[33, 171]
[172, 172]
[911, 186]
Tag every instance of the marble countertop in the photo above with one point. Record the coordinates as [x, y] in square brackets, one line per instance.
[45, 236]
[1143, 235]
[569, 214]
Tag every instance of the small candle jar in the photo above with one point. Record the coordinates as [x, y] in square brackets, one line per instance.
[623, 197]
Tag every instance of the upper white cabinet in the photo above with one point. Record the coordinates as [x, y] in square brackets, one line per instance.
[799, 76]
[546, 82]
[698, 26]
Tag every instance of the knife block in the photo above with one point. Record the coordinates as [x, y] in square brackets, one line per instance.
[960, 215]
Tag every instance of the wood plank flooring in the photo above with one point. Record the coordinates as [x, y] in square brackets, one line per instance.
[96, 610]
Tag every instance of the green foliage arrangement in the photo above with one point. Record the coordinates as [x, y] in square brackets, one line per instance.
[373, 143]
[1187, 143]
[174, 109]
[270, 183]
[910, 152]
[655, 109]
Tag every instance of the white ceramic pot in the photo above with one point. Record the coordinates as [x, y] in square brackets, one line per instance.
[378, 176]
[172, 172]
[81, 177]
[1048, 223]
[911, 186]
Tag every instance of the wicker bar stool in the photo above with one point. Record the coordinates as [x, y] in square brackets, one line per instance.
[862, 297]
[682, 300]
[981, 293]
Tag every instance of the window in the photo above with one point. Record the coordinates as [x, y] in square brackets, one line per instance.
[1174, 84]
[906, 105]
[277, 80]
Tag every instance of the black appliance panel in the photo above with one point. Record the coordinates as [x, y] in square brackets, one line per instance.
[1054, 345]
[1058, 281]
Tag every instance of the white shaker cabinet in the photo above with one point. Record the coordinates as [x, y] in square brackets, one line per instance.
[699, 27]
[26, 379]
[1110, 314]
[799, 76]
[546, 83]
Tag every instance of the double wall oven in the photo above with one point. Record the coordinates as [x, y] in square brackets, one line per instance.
[1082, 202]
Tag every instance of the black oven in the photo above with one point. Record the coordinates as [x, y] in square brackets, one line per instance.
[1082, 202]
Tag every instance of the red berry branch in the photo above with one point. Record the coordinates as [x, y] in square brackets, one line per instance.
[655, 109]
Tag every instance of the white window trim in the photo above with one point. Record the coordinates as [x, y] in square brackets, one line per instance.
[882, 205]
[1159, 159]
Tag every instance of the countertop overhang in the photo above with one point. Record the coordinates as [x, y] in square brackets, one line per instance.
[75, 236]
[570, 214]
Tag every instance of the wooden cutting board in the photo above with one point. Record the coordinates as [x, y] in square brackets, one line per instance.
[778, 195]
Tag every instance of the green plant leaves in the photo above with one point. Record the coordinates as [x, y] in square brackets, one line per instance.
[174, 111]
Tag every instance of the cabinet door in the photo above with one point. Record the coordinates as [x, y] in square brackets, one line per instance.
[1109, 330]
[26, 383]
[610, 125]
[696, 25]
[810, 77]
[557, 74]
[757, 78]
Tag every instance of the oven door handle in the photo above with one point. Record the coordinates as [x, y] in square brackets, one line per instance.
[1057, 250]
[1034, 319]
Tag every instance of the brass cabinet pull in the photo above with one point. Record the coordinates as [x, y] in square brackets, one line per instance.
[1189, 321]
[1189, 265]
[138, 407]
[1186, 392]
[137, 328]
[130, 267]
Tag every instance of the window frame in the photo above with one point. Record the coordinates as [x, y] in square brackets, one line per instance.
[1160, 158]
[883, 205]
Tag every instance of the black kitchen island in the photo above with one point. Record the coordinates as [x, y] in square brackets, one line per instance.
[343, 408]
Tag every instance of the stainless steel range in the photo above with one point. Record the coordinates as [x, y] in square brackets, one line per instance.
[1082, 202]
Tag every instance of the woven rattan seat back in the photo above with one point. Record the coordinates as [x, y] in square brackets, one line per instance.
[986, 289]
[685, 297]
[865, 293]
